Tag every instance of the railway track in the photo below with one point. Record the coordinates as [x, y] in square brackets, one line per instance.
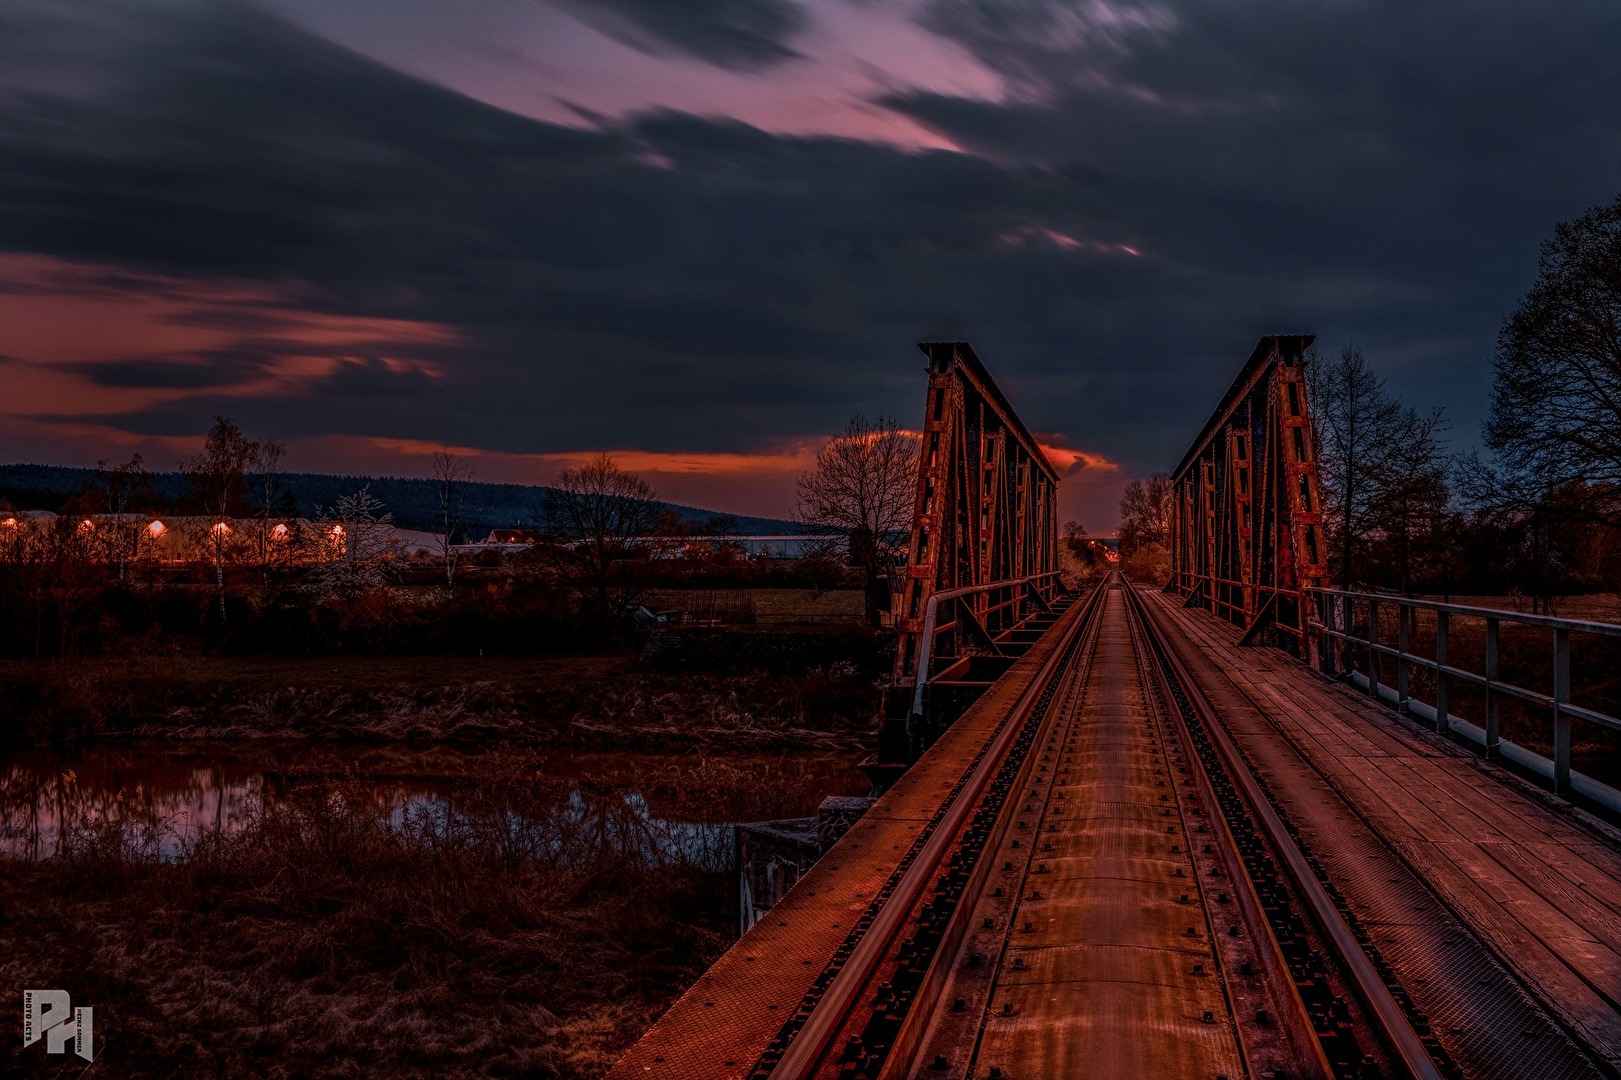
[1109, 891]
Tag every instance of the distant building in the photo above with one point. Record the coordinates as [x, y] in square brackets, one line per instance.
[182, 538]
[778, 546]
[507, 537]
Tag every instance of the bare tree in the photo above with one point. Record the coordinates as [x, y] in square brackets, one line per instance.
[1145, 514]
[864, 485]
[358, 537]
[451, 475]
[592, 514]
[271, 549]
[1374, 453]
[57, 570]
[1555, 420]
[219, 485]
[1412, 507]
[126, 490]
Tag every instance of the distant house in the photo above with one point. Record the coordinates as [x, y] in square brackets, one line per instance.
[503, 541]
[506, 537]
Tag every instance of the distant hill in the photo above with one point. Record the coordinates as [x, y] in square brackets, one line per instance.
[414, 503]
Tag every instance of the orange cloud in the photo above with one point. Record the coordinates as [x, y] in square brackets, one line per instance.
[1072, 462]
[65, 327]
[794, 458]
[745, 482]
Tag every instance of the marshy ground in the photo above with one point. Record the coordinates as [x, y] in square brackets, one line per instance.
[426, 866]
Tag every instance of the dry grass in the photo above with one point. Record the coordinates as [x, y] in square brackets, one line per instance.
[319, 940]
[773, 606]
[548, 701]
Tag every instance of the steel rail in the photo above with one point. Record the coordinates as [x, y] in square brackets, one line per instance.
[1398, 1033]
[931, 612]
[813, 1042]
[1299, 1023]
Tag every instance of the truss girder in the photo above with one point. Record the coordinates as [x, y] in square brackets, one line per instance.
[1247, 534]
[986, 508]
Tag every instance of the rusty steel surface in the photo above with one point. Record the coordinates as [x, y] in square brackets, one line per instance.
[720, 1027]
[1246, 531]
[986, 511]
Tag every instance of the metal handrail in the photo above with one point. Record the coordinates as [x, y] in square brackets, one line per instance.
[931, 610]
[1605, 629]
[1488, 736]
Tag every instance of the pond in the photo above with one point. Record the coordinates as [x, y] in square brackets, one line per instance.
[162, 799]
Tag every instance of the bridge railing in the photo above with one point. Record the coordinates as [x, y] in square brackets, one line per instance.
[1356, 640]
[1016, 591]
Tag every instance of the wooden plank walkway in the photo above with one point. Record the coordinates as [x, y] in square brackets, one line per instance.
[1537, 880]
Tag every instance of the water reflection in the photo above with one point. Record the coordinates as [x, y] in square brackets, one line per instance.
[664, 807]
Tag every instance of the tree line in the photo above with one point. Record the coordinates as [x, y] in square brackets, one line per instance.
[1538, 514]
[93, 575]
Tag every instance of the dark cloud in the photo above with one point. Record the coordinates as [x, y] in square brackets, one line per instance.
[1156, 195]
[739, 35]
[371, 378]
[165, 373]
[1374, 170]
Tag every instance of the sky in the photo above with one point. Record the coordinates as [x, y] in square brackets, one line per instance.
[702, 235]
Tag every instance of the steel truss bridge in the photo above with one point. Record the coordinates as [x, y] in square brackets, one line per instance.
[1242, 826]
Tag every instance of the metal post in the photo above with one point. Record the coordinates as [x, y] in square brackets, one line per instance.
[1403, 617]
[1348, 612]
[1442, 723]
[1373, 653]
[1325, 639]
[1493, 731]
[1561, 722]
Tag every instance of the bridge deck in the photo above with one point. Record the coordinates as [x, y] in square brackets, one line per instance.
[1538, 881]
[1494, 907]
[719, 1028]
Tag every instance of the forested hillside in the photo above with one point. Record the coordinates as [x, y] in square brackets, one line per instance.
[414, 503]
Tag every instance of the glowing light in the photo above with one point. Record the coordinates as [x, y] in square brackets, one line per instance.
[10, 523]
[156, 528]
[220, 528]
[337, 530]
[280, 532]
[87, 525]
